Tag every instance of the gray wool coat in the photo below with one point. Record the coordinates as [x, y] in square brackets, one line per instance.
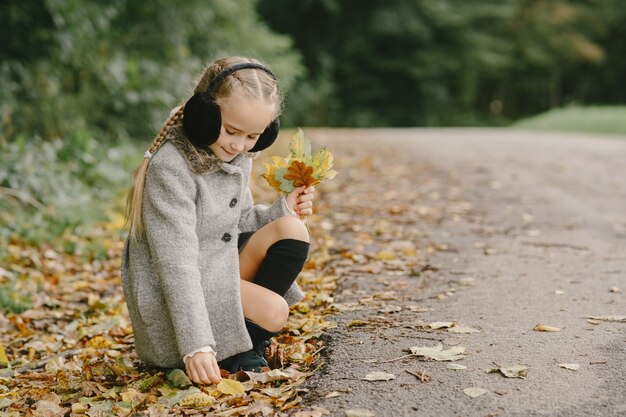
[181, 277]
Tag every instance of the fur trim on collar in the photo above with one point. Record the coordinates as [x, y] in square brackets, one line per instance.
[201, 161]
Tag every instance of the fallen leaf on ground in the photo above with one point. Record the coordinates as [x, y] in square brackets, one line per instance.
[357, 323]
[80, 408]
[608, 318]
[438, 353]
[546, 328]
[4, 360]
[386, 255]
[197, 400]
[333, 394]
[442, 324]
[230, 386]
[514, 371]
[359, 412]
[314, 412]
[273, 375]
[463, 330]
[178, 378]
[456, 367]
[48, 409]
[474, 392]
[379, 376]
[570, 366]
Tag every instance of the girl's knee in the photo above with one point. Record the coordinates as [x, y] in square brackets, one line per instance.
[276, 313]
[288, 227]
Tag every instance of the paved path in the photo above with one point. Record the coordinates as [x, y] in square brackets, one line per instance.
[505, 230]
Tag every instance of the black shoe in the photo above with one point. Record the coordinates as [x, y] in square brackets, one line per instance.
[252, 361]
[244, 361]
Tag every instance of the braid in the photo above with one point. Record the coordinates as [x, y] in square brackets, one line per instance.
[134, 215]
[160, 137]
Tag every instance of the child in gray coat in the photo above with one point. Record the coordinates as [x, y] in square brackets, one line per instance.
[208, 276]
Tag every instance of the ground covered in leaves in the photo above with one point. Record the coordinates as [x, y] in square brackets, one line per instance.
[67, 343]
[448, 276]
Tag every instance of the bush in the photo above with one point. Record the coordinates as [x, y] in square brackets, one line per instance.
[49, 188]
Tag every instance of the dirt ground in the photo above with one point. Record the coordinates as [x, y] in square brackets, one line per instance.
[490, 229]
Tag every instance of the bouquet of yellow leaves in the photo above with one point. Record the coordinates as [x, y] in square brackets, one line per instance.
[301, 167]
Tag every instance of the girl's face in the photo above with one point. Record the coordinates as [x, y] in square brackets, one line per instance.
[243, 121]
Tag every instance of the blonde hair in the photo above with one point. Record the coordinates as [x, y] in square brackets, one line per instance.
[251, 82]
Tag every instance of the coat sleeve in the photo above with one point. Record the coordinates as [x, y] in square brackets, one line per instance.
[169, 212]
[255, 216]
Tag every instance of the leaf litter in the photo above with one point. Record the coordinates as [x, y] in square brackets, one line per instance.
[438, 353]
[72, 349]
[513, 371]
[379, 376]
[79, 316]
[545, 328]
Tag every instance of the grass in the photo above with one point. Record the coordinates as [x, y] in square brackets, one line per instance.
[594, 119]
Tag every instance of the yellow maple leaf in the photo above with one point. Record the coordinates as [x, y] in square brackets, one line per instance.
[270, 176]
[322, 162]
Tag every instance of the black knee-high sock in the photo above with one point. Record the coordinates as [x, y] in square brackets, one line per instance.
[282, 264]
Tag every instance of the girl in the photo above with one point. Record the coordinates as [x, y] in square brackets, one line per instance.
[207, 275]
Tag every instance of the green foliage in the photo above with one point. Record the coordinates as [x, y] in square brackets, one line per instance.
[594, 119]
[115, 69]
[449, 62]
[48, 188]
[15, 294]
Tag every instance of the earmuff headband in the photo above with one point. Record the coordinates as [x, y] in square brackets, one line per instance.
[221, 76]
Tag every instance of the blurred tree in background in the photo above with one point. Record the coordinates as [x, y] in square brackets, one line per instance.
[450, 62]
[115, 68]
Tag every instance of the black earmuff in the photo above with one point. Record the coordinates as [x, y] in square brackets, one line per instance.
[202, 118]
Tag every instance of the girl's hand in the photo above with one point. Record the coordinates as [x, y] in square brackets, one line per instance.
[300, 200]
[202, 368]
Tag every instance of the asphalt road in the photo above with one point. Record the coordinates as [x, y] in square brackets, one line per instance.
[510, 230]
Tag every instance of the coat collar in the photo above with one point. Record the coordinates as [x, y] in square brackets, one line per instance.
[203, 161]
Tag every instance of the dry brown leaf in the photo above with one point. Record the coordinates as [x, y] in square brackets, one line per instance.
[609, 318]
[386, 255]
[46, 408]
[463, 330]
[570, 366]
[442, 324]
[359, 412]
[197, 400]
[313, 412]
[300, 174]
[438, 353]
[474, 391]
[514, 371]
[379, 376]
[230, 386]
[545, 328]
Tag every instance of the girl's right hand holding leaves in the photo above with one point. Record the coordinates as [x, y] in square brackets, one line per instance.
[202, 368]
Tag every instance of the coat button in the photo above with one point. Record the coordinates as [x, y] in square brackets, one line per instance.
[226, 237]
[233, 203]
